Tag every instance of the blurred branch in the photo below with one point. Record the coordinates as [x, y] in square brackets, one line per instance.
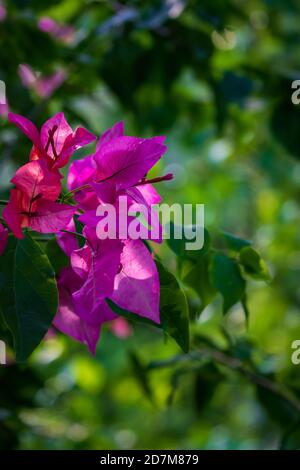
[232, 363]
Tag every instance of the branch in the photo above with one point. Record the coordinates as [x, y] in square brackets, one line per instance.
[234, 364]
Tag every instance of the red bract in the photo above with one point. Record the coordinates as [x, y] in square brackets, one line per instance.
[38, 183]
[36, 180]
[56, 142]
[42, 215]
[32, 202]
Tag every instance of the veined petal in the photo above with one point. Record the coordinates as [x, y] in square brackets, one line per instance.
[80, 138]
[116, 131]
[81, 172]
[105, 191]
[81, 261]
[12, 212]
[149, 193]
[153, 228]
[67, 241]
[126, 160]
[51, 217]
[100, 281]
[27, 127]
[35, 179]
[136, 286]
[66, 320]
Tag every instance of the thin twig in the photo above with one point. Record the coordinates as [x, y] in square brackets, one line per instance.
[234, 364]
[76, 234]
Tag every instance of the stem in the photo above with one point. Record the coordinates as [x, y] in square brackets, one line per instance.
[234, 364]
[62, 201]
[76, 190]
[51, 142]
[167, 177]
[254, 377]
[3, 202]
[76, 234]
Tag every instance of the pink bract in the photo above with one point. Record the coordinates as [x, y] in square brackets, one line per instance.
[56, 142]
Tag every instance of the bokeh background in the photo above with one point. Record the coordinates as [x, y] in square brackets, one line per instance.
[215, 78]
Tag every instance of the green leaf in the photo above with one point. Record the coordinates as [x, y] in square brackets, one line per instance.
[141, 374]
[36, 296]
[253, 264]
[57, 257]
[198, 278]
[227, 279]
[245, 308]
[178, 246]
[173, 308]
[207, 380]
[285, 124]
[278, 407]
[78, 229]
[7, 297]
[129, 315]
[235, 243]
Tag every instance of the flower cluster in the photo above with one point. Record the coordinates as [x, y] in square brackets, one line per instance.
[38, 182]
[122, 270]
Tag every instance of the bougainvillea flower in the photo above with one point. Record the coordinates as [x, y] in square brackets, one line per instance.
[124, 160]
[66, 319]
[136, 286]
[120, 162]
[44, 86]
[102, 267]
[81, 172]
[50, 217]
[36, 180]
[64, 33]
[118, 168]
[42, 215]
[116, 131]
[13, 212]
[84, 171]
[123, 272]
[66, 240]
[56, 141]
[147, 226]
[3, 238]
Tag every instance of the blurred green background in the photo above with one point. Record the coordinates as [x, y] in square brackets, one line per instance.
[215, 78]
